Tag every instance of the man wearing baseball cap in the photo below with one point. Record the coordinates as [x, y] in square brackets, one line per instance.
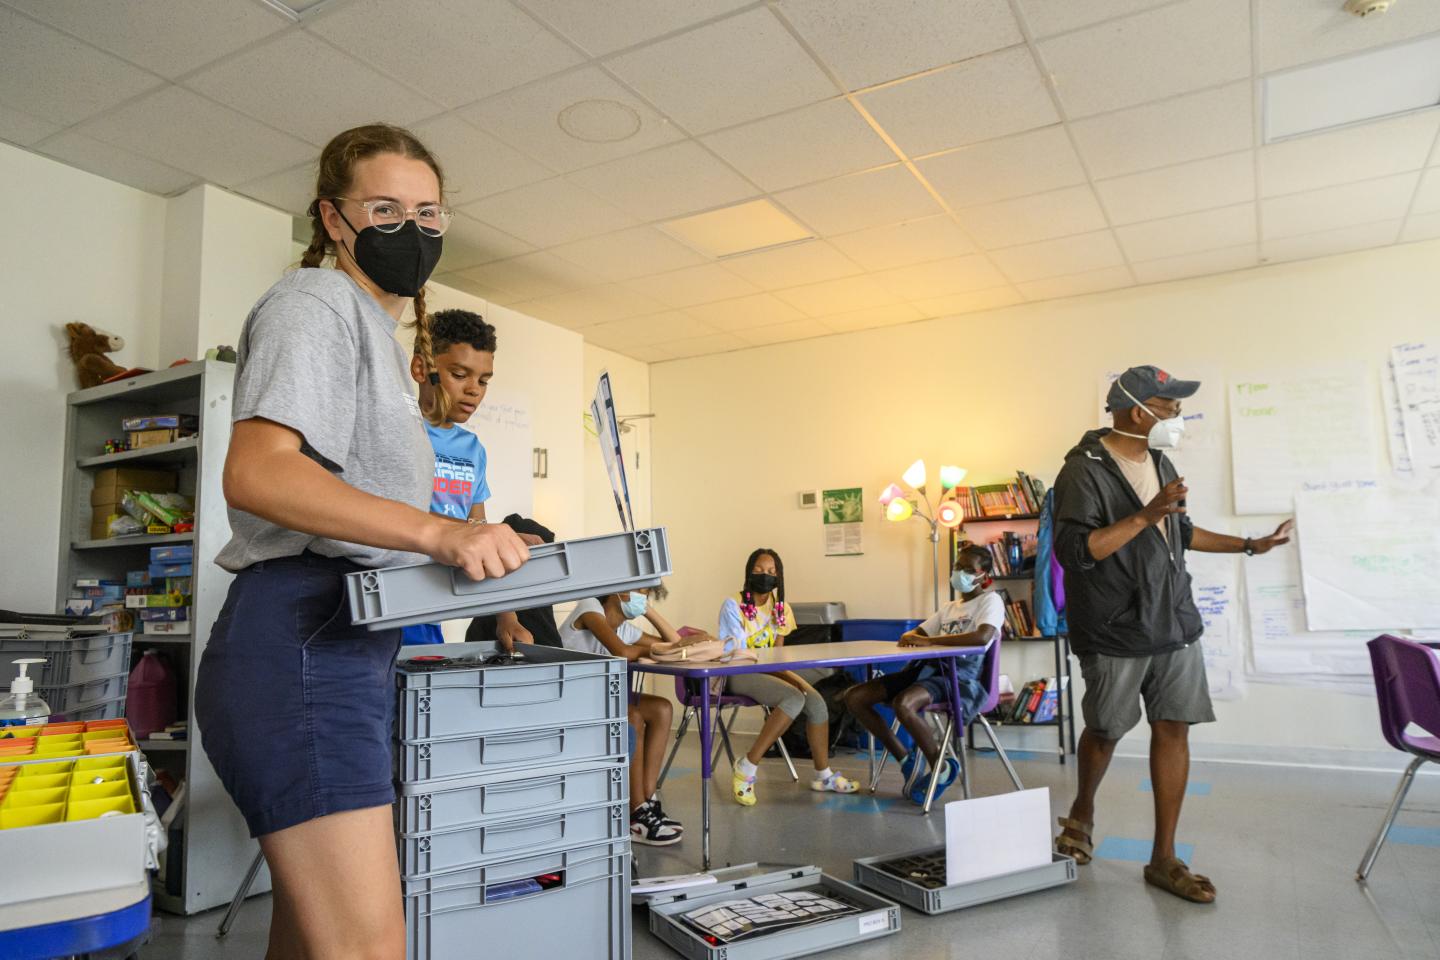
[1121, 533]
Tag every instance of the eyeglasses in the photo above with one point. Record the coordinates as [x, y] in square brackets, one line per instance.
[388, 216]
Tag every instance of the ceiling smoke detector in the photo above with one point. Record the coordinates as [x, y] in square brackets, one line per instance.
[1363, 8]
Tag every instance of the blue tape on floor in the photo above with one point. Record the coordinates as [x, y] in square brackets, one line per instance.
[1192, 789]
[854, 803]
[1021, 754]
[1137, 851]
[1415, 836]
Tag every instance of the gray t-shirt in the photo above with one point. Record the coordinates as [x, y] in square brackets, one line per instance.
[318, 355]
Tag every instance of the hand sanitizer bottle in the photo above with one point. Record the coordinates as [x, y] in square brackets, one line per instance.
[22, 708]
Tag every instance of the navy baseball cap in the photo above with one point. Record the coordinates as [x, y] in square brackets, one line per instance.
[1145, 383]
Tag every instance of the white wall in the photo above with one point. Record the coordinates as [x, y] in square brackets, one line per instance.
[77, 248]
[739, 434]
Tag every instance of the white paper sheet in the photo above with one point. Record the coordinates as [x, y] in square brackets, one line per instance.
[990, 836]
[1369, 556]
[1282, 649]
[1416, 368]
[1217, 596]
[1284, 433]
[1395, 424]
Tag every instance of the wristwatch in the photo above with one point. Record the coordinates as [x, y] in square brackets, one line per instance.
[477, 522]
[1249, 547]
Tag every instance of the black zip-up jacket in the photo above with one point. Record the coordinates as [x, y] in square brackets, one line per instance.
[1137, 601]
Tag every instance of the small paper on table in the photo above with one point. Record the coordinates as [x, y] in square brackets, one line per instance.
[991, 836]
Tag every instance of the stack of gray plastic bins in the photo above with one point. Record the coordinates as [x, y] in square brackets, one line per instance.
[513, 814]
[86, 670]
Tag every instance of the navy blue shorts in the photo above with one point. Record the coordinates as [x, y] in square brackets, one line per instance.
[295, 704]
[931, 676]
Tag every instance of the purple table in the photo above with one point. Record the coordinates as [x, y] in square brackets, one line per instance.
[808, 656]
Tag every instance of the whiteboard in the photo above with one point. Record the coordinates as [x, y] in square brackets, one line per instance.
[502, 424]
[1287, 432]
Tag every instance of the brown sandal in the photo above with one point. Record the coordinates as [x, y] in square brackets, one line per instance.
[1173, 876]
[1079, 847]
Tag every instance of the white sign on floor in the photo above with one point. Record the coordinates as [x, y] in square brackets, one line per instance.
[991, 836]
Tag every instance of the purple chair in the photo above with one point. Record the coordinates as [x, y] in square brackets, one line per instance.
[955, 732]
[689, 698]
[1407, 688]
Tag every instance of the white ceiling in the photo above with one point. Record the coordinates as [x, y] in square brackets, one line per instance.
[949, 155]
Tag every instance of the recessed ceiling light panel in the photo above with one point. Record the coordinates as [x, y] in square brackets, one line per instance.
[742, 228]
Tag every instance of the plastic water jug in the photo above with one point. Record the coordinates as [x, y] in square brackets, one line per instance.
[151, 704]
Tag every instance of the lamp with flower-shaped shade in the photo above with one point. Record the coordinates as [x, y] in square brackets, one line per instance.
[899, 508]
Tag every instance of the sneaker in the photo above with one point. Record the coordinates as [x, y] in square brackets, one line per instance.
[948, 773]
[646, 828]
[834, 783]
[743, 788]
[665, 818]
[909, 767]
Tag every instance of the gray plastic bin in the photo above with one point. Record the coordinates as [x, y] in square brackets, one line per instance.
[927, 898]
[70, 660]
[878, 918]
[557, 572]
[106, 710]
[511, 750]
[474, 801]
[428, 853]
[88, 693]
[551, 686]
[586, 915]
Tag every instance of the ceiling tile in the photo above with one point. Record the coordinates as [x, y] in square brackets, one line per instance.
[167, 38]
[529, 118]
[1047, 17]
[940, 278]
[1151, 55]
[861, 200]
[531, 276]
[654, 354]
[457, 282]
[837, 296]
[180, 128]
[475, 163]
[991, 299]
[793, 264]
[306, 87]
[741, 68]
[1000, 169]
[1184, 188]
[1055, 258]
[1199, 125]
[990, 96]
[866, 42]
[742, 313]
[1366, 150]
[603, 28]
[1077, 285]
[692, 285]
[1198, 264]
[470, 243]
[1421, 227]
[628, 253]
[1427, 198]
[289, 190]
[113, 163]
[703, 346]
[918, 241]
[1058, 213]
[22, 129]
[548, 213]
[583, 308]
[1301, 31]
[887, 316]
[666, 182]
[1329, 242]
[813, 143]
[1190, 233]
[785, 332]
[472, 48]
[650, 329]
[48, 75]
[1353, 203]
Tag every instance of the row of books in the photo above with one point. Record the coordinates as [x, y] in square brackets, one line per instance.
[1038, 701]
[1023, 495]
[1013, 554]
[1019, 621]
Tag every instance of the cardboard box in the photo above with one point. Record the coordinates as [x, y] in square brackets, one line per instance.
[141, 439]
[112, 482]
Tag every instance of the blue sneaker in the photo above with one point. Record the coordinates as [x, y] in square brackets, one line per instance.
[908, 767]
[948, 773]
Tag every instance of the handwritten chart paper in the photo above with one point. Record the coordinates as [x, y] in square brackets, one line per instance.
[1369, 557]
[1416, 368]
[1395, 424]
[1282, 648]
[1284, 433]
[1217, 596]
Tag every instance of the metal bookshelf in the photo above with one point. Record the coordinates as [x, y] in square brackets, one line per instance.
[214, 847]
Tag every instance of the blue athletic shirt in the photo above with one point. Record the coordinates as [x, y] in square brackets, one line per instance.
[459, 485]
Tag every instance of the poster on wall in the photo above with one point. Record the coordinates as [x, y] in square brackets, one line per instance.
[1217, 597]
[1416, 369]
[841, 512]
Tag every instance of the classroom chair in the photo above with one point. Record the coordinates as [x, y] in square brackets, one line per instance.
[954, 733]
[689, 697]
[1407, 690]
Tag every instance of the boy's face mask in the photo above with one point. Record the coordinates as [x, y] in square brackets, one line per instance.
[635, 606]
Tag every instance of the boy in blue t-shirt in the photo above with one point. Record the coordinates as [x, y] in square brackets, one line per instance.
[461, 349]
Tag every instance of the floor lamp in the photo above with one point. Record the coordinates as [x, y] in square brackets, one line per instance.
[899, 508]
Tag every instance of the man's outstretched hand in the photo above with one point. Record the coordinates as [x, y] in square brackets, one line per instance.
[1279, 538]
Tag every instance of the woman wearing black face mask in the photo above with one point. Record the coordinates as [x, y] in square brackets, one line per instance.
[329, 471]
[757, 617]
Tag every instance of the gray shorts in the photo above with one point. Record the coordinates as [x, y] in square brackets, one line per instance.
[1173, 686]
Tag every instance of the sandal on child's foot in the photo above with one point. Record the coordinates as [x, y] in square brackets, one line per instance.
[834, 783]
[744, 789]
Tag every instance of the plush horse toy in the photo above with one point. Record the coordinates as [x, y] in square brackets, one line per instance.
[88, 347]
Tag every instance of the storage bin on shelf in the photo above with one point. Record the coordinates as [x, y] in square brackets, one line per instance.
[70, 659]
